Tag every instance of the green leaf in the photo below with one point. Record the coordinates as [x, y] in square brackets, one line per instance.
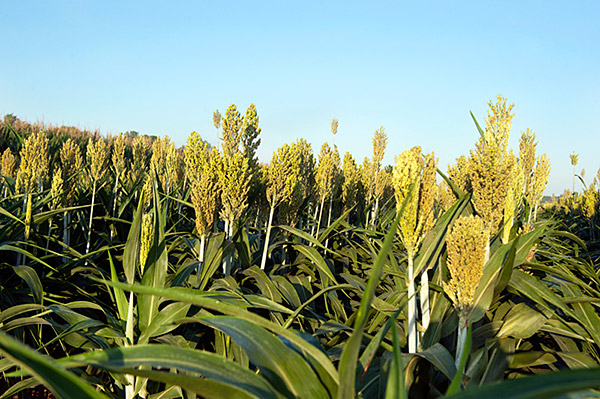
[155, 271]
[439, 356]
[456, 383]
[316, 258]
[395, 384]
[540, 386]
[59, 381]
[522, 321]
[131, 253]
[318, 360]
[285, 369]
[127, 360]
[33, 281]
[349, 358]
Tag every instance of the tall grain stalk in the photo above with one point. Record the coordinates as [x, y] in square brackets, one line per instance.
[33, 170]
[325, 177]
[71, 165]
[97, 160]
[490, 167]
[466, 257]
[201, 167]
[118, 164]
[414, 185]
[282, 179]
[8, 169]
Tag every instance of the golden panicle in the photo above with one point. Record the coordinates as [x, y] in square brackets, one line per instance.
[118, 156]
[97, 159]
[446, 197]
[70, 158]
[56, 190]
[407, 175]
[380, 141]
[234, 182]
[34, 166]
[334, 126]
[540, 179]
[9, 164]
[498, 123]
[413, 172]
[165, 161]
[490, 168]
[527, 147]
[172, 168]
[217, 119]
[139, 149]
[513, 196]
[574, 158]
[28, 216]
[204, 198]
[232, 134]
[71, 162]
[383, 182]
[196, 155]
[351, 181]
[282, 175]
[460, 174]
[427, 194]
[250, 136]
[147, 235]
[327, 171]
[590, 203]
[307, 168]
[466, 256]
[371, 167]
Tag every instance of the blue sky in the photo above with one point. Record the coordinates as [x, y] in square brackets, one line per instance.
[415, 67]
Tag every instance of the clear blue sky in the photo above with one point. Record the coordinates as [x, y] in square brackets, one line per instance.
[415, 67]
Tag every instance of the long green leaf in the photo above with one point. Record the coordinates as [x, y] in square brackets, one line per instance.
[282, 367]
[59, 381]
[540, 386]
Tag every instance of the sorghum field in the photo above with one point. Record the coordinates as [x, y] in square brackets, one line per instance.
[132, 268]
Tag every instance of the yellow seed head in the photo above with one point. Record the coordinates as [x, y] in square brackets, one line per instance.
[513, 196]
[56, 190]
[466, 256]
[412, 171]
[498, 123]
[527, 147]
[28, 216]
[34, 166]
[232, 135]
[118, 156]
[460, 174]
[146, 238]
[574, 159]
[334, 126]
[407, 174]
[540, 177]
[217, 119]
[351, 181]
[234, 181]
[9, 164]
[97, 159]
[327, 171]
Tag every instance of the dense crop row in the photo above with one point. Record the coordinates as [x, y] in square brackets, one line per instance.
[133, 268]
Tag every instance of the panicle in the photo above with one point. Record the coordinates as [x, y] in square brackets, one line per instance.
[97, 159]
[146, 238]
[56, 190]
[118, 156]
[466, 256]
[34, 166]
[9, 164]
